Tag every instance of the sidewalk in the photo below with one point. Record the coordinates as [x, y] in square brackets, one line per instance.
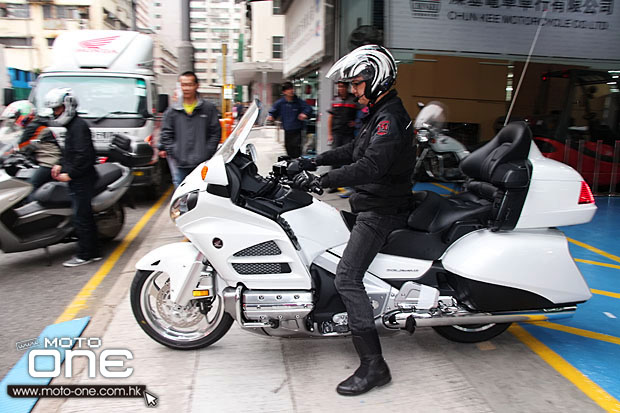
[244, 372]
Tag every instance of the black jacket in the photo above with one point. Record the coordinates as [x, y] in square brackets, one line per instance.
[79, 154]
[190, 139]
[379, 162]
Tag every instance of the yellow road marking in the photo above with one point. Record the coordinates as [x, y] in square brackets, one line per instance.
[80, 300]
[602, 264]
[594, 249]
[445, 187]
[583, 383]
[580, 332]
[607, 293]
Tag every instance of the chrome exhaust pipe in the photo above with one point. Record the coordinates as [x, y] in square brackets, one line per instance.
[401, 319]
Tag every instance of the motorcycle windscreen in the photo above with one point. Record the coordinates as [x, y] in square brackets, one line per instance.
[241, 132]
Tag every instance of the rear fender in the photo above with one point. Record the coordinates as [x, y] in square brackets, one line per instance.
[182, 262]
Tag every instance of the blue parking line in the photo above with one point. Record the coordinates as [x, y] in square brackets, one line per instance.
[598, 360]
[19, 372]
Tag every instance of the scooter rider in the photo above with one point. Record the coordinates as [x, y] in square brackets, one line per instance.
[78, 169]
[37, 142]
[378, 164]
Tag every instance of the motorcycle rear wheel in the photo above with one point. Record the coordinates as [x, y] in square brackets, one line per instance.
[473, 333]
[180, 328]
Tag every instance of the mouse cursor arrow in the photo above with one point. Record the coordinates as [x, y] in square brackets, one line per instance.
[150, 399]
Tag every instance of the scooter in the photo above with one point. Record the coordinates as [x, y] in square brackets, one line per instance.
[263, 253]
[439, 155]
[46, 220]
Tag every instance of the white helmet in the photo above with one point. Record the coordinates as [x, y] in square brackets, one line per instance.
[62, 97]
[374, 63]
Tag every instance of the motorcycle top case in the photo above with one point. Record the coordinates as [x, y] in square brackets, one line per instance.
[128, 152]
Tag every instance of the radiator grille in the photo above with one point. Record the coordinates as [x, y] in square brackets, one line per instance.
[264, 248]
[262, 268]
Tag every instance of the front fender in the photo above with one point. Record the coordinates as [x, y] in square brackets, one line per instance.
[182, 262]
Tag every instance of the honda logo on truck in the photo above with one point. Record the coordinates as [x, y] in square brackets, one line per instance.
[95, 45]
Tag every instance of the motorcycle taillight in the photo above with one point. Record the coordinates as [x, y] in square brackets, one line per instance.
[585, 196]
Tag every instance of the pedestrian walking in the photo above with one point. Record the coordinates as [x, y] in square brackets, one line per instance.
[293, 111]
[190, 130]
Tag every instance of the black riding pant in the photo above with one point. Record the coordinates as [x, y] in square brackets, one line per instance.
[368, 236]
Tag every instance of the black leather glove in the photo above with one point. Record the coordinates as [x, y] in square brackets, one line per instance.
[306, 164]
[307, 182]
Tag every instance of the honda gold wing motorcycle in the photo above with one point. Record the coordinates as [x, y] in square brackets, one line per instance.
[439, 155]
[46, 220]
[264, 253]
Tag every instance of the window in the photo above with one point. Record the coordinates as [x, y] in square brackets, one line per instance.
[200, 50]
[15, 11]
[277, 6]
[158, 16]
[200, 70]
[277, 47]
[216, 50]
[16, 41]
[50, 41]
[60, 12]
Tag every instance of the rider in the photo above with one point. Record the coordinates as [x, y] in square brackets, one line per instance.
[78, 169]
[37, 141]
[378, 164]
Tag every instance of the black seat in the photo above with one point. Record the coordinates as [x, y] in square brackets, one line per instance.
[107, 173]
[494, 198]
[56, 194]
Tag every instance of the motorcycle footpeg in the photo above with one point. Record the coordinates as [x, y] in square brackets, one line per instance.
[410, 324]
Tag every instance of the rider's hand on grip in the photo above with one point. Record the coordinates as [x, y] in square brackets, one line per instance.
[305, 164]
[307, 182]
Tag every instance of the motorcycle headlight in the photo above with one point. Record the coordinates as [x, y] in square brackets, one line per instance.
[183, 204]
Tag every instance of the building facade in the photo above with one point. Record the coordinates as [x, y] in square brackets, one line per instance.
[261, 69]
[28, 29]
[214, 23]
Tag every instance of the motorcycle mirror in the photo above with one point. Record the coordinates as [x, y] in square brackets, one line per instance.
[250, 150]
[420, 105]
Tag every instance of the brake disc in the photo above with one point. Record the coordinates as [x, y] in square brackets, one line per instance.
[173, 313]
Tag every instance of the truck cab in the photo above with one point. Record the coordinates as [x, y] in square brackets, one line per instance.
[111, 74]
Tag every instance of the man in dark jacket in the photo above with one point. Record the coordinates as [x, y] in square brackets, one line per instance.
[78, 169]
[293, 112]
[378, 164]
[190, 130]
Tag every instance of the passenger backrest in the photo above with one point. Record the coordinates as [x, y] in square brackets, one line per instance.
[512, 143]
[501, 173]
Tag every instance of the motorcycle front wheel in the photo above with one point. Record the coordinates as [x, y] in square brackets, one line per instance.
[180, 328]
[473, 333]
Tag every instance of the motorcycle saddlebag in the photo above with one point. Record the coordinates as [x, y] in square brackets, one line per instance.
[130, 152]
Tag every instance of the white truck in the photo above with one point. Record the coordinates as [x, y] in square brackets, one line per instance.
[111, 73]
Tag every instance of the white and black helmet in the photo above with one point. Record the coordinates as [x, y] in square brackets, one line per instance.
[62, 97]
[374, 63]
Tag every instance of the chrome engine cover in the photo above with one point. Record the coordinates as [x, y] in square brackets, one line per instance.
[276, 305]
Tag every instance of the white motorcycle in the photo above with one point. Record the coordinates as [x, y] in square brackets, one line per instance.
[264, 253]
[439, 155]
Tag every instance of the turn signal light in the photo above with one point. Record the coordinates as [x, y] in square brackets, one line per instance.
[201, 293]
[585, 197]
[204, 171]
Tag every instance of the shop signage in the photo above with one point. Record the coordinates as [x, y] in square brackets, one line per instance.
[304, 41]
[584, 29]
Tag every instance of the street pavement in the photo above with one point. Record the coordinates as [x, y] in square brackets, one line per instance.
[244, 372]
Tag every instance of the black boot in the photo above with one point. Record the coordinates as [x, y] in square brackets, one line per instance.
[372, 372]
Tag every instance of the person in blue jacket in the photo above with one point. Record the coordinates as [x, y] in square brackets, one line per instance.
[293, 112]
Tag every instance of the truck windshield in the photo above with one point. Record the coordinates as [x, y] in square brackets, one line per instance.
[116, 97]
